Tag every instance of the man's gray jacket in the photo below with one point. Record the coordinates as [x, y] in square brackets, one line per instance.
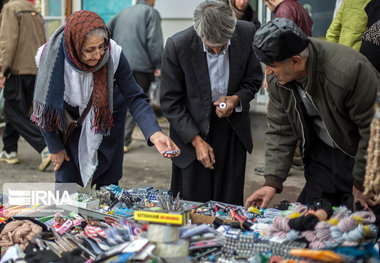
[137, 29]
[343, 87]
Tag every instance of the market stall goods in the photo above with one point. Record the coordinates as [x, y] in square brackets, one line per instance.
[146, 224]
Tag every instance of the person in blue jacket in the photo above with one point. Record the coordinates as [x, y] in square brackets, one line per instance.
[80, 62]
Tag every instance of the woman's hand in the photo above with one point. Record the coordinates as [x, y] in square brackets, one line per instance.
[58, 158]
[164, 144]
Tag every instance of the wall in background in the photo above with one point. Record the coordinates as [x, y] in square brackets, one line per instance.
[172, 26]
[106, 9]
[182, 9]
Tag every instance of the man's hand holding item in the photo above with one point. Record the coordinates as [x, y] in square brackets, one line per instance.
[231, 102]
[261, 197]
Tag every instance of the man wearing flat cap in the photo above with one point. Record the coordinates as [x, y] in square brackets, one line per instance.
[323, 95]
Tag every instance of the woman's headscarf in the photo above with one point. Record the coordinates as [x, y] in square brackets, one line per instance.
[66, 43]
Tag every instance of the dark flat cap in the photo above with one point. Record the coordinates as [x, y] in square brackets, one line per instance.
[278, 40]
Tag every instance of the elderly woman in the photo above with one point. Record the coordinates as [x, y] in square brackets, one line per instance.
[80, 62]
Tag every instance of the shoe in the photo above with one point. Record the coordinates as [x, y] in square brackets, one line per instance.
[9, 158]
[127, 148]
[297, 162]
[45, 159]
[259, 170]
[297, 167]
[162, 120]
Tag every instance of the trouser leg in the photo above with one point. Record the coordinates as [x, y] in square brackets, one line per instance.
[10, 138]
[18, 96]
[129, 126]
[328, 173]
[144, 80]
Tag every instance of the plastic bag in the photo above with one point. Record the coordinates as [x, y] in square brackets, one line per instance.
[154, 92]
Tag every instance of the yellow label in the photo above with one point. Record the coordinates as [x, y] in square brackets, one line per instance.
[253, 209]
[164, 218]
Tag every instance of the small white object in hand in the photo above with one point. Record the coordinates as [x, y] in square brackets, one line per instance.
[222, 105]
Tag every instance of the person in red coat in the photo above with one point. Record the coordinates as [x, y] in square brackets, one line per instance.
[293, 10]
